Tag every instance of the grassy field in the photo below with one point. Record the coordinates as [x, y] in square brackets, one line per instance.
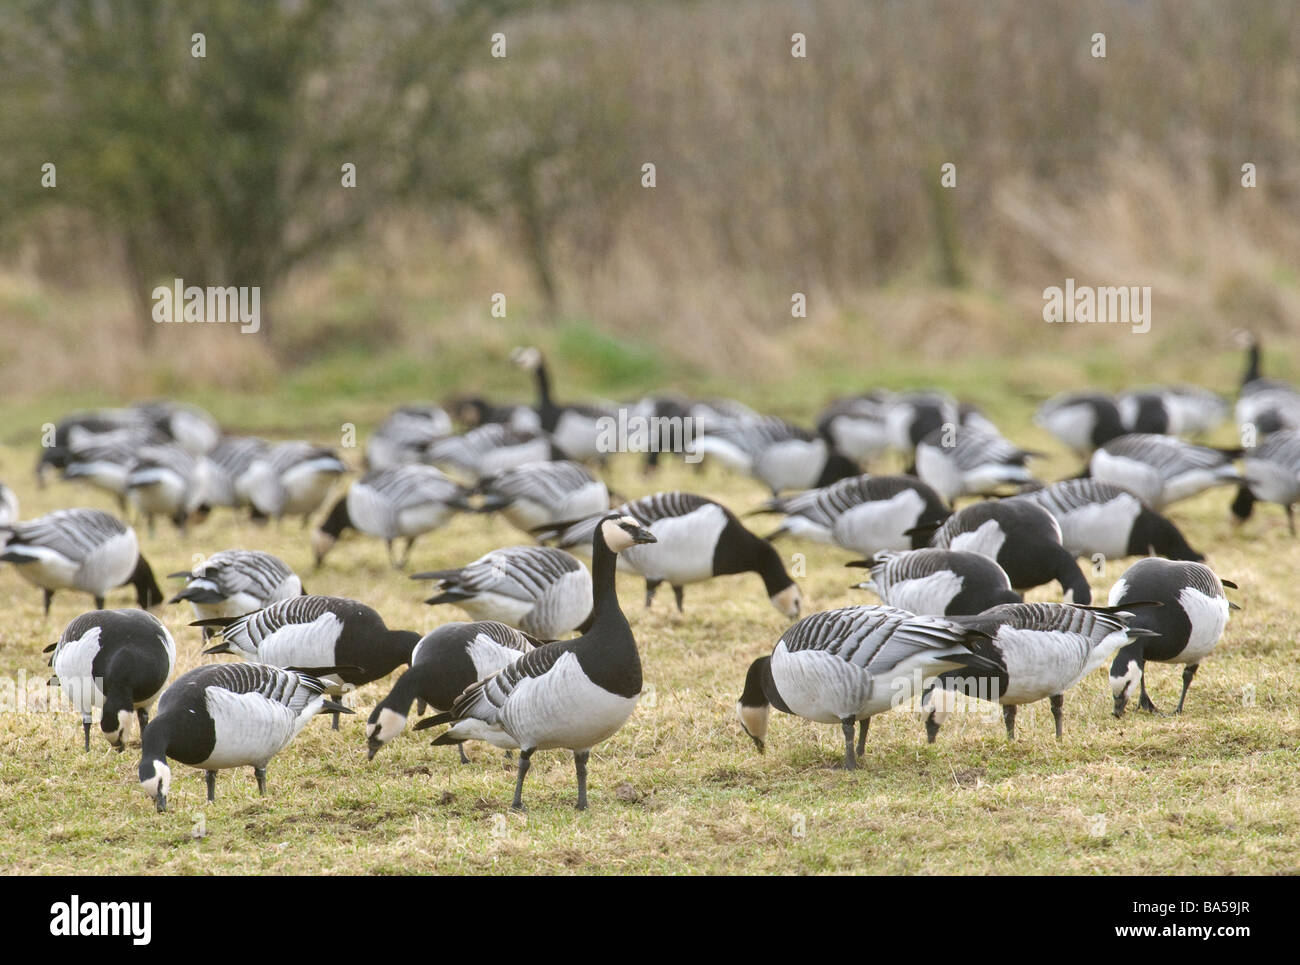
[681, 789]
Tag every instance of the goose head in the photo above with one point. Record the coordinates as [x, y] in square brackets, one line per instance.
[156, 780]
[384, 724]
[527, 358]
[789, 601]
[619, 532]
[753, 707]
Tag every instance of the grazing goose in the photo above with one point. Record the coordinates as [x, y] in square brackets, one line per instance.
[938, 582]
[475, 411]
[538, 494]
[1272, 471]
[488, 450]
[569, 694]
[914, 415]
[1084, 421]
[83, 429]
[167, 481]
[232, 583]
[857, 426]
[1183, 630]
[188, 426]
[1145, 411]
[105, 460]
[1186, 410]
[118, 660]
[865, 514]
[228, 715]
[575, 429]
[1161, 470]
[1044, 649]
[402, 438]
[232, 457]
[318, 632]
[959, 461]
[696, 539]
[389, 504]
[444, 664]
[290, 479]
[1100, 518]
[1021, 537]
[80, 549]
[847, 665]
[8, 510]
[542, 591]
[780, 455]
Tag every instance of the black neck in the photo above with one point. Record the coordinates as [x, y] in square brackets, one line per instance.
[1071, 578]
[545, 404]
[399, 644]
[147, 591]
[1252, 363]
[604, 563]
[751, 554]
[338, 520]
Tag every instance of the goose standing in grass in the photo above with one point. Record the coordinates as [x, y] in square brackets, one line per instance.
[1161, 470]
[857, 426]
[118, 660]
[864, 514]
[780, 455]
[1044, 649]
[82, 429]
[1272, 473]
[570, 694]
[167, 481]
[402, 438]
[914, 415]
[318, 632]
[1184, 629]
[1098, 518]
[938, 582]
[542, 591]
[228, 715]
[232, 583]
[188, 426]
[232, 457]
[390, 504]
[1022, 538]
[1177, 410]
[845, 666]
[696, 539]
[575, 429]
[291, 479]
[444, 664]
[958, 461]
[1083, 421]
[105, 460]
[487, 450]
[80, 549]
[538, 494]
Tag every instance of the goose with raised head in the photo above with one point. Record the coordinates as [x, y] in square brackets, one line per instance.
[570, 694]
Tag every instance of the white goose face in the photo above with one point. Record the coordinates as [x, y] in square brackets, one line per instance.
[621, 532]
[380, 731]
[528, 358]
[321, 543]
[1121, 687]
[118, 737]
[159, 784]
[754, 722]
[789, 601]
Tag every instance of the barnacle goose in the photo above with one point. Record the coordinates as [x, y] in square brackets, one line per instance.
[487, 450]
[1272, 472]
[1023, 538]
[400, 503]
[1083, 421]
[444, 663]
[1183, 630]
[402, 438]
[1101, 518]
[82, 430]
[105, 460]
[696, 539]
[847, 665]
[540, 590]
[959, 461]
[167, 481]
[780, 455]
[569, 694]
[864, 514]
[857, 426]
[117, 660]
[1179, 410]
[1044, 649]
[228, 715]
[914, 415]
[188, 426]
[540, 493]
[291, 479]
[234, 582]
[232, 457]
[80, 549]
[475, 411]
[318, 632]
[575, 429]
[938, 582]
[1161, 470]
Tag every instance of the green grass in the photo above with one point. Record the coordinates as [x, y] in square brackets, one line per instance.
[680, 789]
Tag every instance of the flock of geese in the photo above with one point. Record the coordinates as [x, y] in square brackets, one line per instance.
[549, 660]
